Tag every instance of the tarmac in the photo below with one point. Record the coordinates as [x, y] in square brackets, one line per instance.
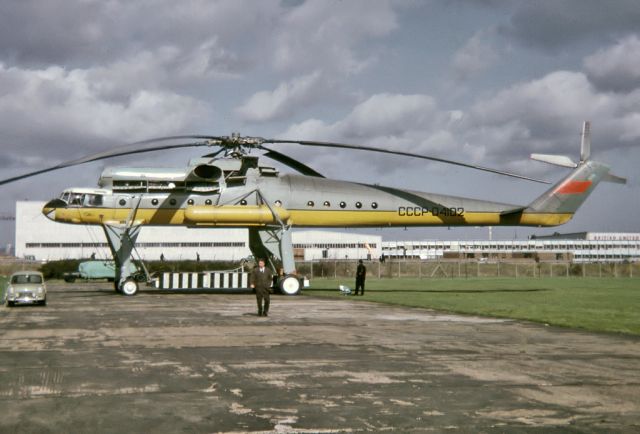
[93, 361]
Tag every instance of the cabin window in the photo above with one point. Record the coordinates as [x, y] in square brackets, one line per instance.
[243, 202]
[207, 202]
[122, 202]
[310, 204]
[172, 202]
[93, 200]
[278, 202]
[327, 203]
[154, 201]
[190, 202]
[374, 205]
[358, 205]
[343, 204]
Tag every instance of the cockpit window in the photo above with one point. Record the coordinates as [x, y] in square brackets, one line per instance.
[65, 196]
[75, 199]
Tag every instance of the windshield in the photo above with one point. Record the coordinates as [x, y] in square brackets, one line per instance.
[27, 278]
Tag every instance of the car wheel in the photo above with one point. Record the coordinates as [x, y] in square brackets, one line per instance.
[10, 303]
[129, 287]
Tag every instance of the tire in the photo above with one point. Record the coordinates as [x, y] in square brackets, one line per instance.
[43, 302]
[289, 285]
[129, 287]
[69, 279]
[10, 303]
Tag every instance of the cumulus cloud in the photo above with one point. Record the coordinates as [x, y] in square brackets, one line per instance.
[54, 112]
[285, 100]
[552, 25]
[475, 56]
[617, 67]
[315, 35]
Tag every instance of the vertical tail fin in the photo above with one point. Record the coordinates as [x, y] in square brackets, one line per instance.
[569, 194]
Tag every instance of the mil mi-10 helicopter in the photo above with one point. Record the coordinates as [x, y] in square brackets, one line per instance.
[234, 190]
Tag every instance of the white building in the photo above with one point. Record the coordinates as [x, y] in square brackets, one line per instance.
[42, 239]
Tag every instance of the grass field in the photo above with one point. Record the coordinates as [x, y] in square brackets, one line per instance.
[609, 305]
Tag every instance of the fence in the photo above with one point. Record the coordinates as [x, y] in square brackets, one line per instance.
[467, 269]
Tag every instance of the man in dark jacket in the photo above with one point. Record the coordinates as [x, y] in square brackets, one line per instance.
[361, 274]
[260, 279]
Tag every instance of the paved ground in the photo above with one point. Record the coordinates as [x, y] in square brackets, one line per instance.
[94, 362]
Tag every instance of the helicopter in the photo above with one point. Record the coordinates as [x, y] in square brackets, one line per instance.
[230, 188]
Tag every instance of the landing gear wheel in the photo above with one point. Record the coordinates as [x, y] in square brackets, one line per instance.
[289, 285]
[129, 287]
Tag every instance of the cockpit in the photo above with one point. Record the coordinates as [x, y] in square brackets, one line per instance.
[75, 198]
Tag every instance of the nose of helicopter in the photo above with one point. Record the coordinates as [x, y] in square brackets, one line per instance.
[50, 207]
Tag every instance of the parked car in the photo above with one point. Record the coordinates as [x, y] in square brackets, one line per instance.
[26, 287]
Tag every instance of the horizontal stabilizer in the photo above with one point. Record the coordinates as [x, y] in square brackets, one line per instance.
[615, 179]
[558, 160]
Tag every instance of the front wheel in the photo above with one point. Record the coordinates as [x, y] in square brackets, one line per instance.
[289, 285]
[129, 287]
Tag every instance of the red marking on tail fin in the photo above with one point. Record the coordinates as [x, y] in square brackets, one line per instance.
[574, 187]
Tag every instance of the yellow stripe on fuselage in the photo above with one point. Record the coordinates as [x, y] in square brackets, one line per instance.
[311, 218]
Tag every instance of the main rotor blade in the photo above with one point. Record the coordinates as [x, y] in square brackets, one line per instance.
[129, 149]
[288, 161]
[406, 154]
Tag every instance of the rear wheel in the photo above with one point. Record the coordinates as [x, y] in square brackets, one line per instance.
[129, 287]
[10, 303]
[289, 285]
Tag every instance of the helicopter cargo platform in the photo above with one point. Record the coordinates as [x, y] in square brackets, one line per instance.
[94, 361]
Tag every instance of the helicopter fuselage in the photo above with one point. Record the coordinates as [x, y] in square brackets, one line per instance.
[234, 193]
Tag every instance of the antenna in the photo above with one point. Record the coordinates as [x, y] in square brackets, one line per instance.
[585, 144]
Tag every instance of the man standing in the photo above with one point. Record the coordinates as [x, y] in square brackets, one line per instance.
[361, 274]
[260, 280]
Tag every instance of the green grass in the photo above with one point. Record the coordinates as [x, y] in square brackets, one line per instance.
[3, 287]
[608, 305]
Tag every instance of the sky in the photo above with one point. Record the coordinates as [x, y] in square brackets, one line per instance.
[485, 82]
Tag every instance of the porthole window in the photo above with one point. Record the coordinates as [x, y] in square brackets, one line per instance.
[122, 202]
[154, 202]
[358, 205]
[172, 202]
[278, 203]
[310, 203]
[343, 204]
[243, 202]
[190, 202]
[327, 203]
[374, 205]
[207, 202]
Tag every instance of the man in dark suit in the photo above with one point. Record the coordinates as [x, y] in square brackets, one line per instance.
[260, 279]
[361, 274]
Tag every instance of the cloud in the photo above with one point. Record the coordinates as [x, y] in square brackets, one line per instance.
[51, 113]
[617, 67]
[477, 55]
[328, 35]
[285, 100]
[553, 25]
[81, 32]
